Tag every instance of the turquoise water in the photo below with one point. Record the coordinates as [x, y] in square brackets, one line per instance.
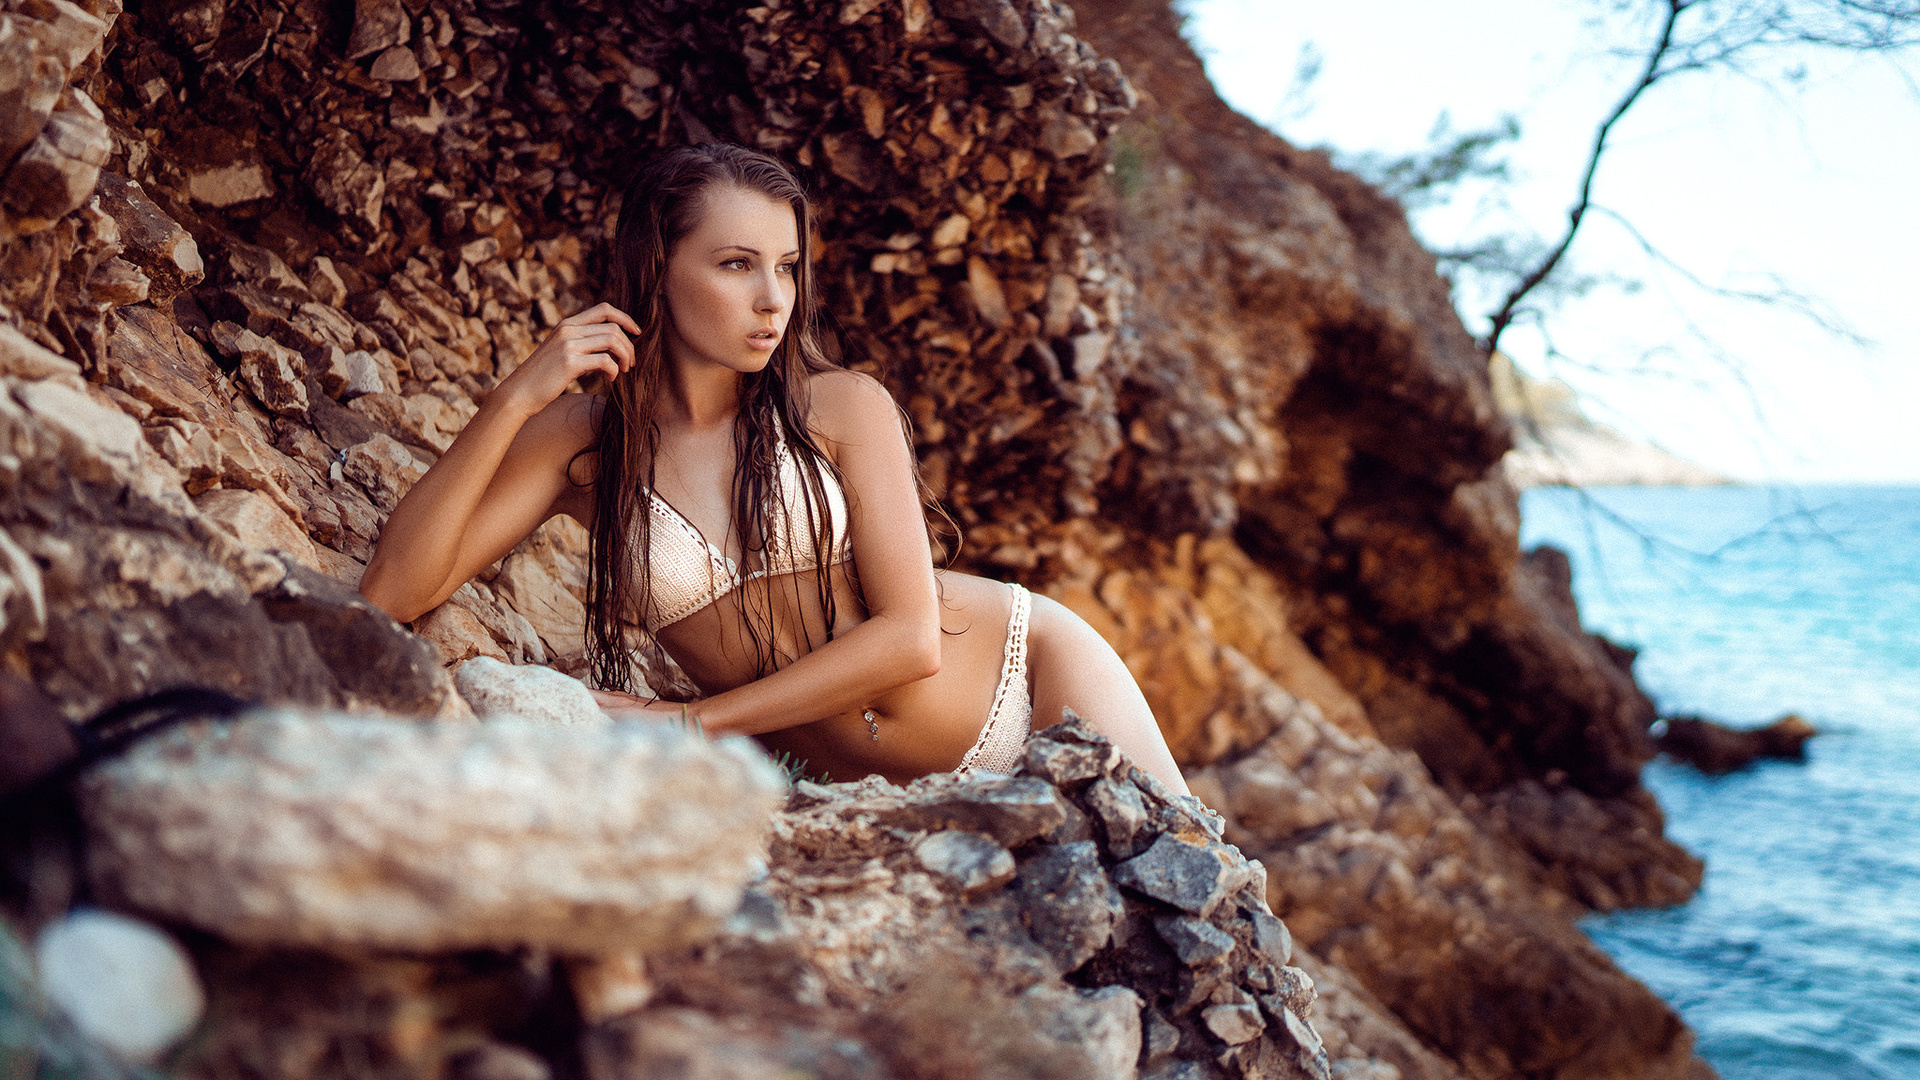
[1800, 957]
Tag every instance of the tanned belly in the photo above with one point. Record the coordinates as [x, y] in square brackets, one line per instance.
[925, 726]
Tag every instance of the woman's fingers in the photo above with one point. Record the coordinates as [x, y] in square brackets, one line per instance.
[603, 313]
[602, 337]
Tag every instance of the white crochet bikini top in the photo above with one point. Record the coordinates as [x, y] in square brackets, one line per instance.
[689, 572]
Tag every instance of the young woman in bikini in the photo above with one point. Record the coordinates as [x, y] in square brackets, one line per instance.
[753, 509]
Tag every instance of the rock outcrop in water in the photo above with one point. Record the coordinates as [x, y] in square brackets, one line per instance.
[261, 257]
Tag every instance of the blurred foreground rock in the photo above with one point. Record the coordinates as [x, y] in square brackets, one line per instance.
[289, 829]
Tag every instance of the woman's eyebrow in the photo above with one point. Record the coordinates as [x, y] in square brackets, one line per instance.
[751, 251]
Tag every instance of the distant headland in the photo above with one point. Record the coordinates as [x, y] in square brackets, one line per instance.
[1555, 443]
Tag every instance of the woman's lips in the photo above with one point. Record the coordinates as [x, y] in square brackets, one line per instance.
[764, 339]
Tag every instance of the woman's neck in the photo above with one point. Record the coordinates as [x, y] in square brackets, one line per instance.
[704, 398]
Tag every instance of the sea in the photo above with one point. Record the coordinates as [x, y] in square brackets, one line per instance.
[1800, 956]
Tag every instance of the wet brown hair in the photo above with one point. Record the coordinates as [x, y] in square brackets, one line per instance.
[664, 202]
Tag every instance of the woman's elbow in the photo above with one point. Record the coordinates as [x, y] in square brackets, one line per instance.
[923, 657]
[376, 585]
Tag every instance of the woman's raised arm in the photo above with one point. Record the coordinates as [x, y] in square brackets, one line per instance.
[503, 475]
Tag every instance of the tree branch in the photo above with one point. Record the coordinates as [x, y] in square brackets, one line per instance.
[1652, 73]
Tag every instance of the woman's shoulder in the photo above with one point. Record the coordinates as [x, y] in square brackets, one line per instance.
[846, 404]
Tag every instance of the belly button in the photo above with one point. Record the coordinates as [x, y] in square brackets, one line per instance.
[873, 723]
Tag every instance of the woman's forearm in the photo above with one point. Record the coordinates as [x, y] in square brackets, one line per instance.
[419, 544]
[879, 655]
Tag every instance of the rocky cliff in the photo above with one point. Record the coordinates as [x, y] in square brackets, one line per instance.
[262, 256]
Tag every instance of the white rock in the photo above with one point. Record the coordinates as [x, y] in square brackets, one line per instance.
[345, 832]
[529, 692]
[123, 983]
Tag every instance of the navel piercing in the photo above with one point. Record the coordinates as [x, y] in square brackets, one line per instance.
[873, 723]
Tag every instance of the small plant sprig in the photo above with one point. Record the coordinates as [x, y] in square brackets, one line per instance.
[796, 769]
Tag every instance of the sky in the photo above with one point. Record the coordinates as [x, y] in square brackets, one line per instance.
[1738, 180]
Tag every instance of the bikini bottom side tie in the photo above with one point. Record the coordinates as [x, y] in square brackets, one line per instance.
[1003, 741]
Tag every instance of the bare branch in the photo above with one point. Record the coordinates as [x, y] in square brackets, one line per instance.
[1778, 294]
[1651, 73]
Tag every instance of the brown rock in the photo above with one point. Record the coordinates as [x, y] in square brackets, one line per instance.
[273, 373]
[1715, 749]
[345, 182]
[58, 169]
[458, 633]
[383, 468]
[396, 64]
[255, 521]
[377, 25]
[31, 79]
[989, 300]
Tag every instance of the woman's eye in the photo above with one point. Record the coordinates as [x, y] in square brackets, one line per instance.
[735, 264]
[787, 268]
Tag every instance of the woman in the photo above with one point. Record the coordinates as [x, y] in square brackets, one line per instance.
[753, 507]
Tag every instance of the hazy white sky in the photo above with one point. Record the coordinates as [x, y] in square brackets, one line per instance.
[1737, 180]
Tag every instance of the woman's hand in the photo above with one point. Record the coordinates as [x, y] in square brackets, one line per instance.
[628, 707]
[595, 340]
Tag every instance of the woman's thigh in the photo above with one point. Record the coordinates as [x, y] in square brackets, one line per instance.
[1074, 667]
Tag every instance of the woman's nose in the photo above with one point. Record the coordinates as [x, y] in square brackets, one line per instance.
[772, 296]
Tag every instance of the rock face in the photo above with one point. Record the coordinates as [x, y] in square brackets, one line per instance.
[259, 259]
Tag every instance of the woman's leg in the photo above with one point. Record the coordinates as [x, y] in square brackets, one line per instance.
[1073, 666]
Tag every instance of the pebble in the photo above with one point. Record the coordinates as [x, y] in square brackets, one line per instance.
[123, 983]
[1235, 1024]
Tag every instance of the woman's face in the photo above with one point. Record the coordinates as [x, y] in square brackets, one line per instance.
[731, 282]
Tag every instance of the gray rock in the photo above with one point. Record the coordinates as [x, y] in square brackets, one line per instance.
[1068, 903]
[375, 661]
[1272, 936]
[1105, 1024]
[123, 983]
[972, 862]
[1312, 1054]
[1194, 941]
[1012, 810]
[529, 692]
[1161, 1038]
[1070, 763]
[344, 832]
[1122, 812]
[1188, 876]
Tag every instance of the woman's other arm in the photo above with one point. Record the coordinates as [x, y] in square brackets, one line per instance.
[899, 642]
[503, 475]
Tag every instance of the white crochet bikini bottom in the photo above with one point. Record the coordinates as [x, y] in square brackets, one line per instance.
[1003, 741]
